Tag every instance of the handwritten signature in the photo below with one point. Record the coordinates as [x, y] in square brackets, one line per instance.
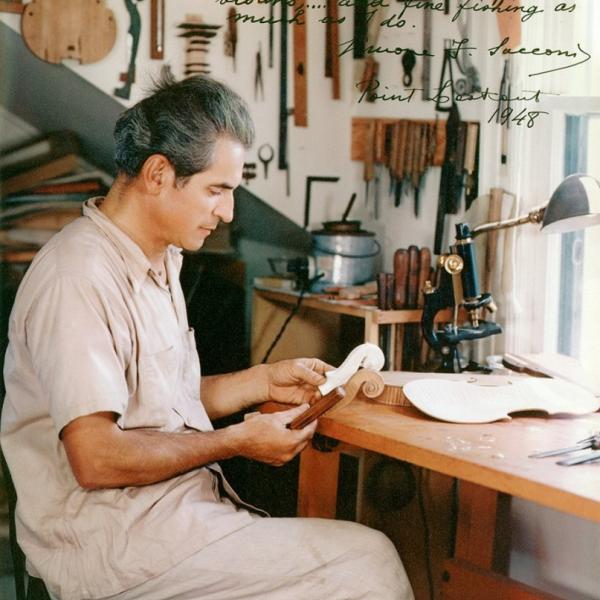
[501, 48]
[373, 90]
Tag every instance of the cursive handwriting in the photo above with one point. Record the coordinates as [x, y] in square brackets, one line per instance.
[245, 18]
[540, 52]
[348, 46]
[369, 93]
[498, 7]
[374, 90]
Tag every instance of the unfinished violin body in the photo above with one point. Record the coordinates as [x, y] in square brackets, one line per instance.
[83, 30]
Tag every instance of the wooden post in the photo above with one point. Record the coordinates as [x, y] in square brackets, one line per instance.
[482, 534]
[317, 483]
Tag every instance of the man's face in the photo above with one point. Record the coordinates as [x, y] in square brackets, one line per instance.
[191, 212]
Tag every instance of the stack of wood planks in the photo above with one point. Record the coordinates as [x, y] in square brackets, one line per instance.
[43, 183]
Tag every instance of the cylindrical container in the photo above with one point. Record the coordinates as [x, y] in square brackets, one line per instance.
[345, 255]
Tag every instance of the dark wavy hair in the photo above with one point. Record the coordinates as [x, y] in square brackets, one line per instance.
[182, 121]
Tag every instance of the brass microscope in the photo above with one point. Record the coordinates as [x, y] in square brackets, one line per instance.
[458, 287]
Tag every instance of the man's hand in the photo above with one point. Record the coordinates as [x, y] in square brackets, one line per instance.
[289, 381]
[265, 437]
[295, 381]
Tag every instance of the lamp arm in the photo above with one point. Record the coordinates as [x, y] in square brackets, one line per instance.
[535, 216]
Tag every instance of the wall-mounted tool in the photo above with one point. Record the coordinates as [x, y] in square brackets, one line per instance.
[366, 70]
[196, 68]
[87, 35]
[133, 41]
[451, 178]
[198, 36]
[309, 181]
[379, 159]
[407, 147]
[509, 27]
[369, 77]
[422, 141]
[471, 164]
[259, 86]
[470, 82]
[504, 105]
[405, 169]
[196, 28]
[445, 83]
[400, 132]
[231, 37]
[157, 29]
[248, 172]
[271, 33]
[409, 60]
[427, 51]
[266, 155]
[284, 113]
[360, 28]
[300, 32]
[369, 158]
[332, 59]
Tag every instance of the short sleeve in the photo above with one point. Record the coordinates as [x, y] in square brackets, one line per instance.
[70, 337]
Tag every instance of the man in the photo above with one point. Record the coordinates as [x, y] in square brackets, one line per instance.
[106, 425]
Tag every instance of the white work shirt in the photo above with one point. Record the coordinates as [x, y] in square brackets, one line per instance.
[94, 329]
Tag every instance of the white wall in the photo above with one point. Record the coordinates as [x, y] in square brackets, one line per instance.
[324, 148]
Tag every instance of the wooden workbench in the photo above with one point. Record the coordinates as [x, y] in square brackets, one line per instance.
[491, 463]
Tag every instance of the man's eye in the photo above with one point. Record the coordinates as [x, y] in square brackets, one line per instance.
[216, 191]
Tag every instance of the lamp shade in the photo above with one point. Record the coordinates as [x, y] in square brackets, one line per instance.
[575, 204]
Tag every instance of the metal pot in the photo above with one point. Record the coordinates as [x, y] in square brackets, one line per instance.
[344, 253]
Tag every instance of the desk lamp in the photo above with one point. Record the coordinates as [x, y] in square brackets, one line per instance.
[575, 204]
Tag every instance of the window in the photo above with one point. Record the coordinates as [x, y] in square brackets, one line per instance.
[578, 333]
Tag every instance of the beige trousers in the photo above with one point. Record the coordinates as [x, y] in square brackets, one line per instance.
[286, 559]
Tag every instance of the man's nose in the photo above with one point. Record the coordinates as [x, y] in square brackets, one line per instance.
[224, 209]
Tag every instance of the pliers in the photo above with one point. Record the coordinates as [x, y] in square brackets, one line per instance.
[592, 442]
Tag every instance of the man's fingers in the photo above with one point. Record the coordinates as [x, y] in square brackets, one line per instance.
[311, 372]
[287, 416]
[320, 367]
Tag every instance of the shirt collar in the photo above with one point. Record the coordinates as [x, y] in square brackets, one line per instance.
[136, 262]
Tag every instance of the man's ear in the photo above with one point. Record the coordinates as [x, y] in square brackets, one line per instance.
[157, 173]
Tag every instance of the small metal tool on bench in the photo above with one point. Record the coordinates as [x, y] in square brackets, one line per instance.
[592, 442]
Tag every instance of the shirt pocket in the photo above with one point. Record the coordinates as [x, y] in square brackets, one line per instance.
[152, 403]
[189, 405]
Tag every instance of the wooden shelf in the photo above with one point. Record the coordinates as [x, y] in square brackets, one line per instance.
[319, 333]
[352, 308]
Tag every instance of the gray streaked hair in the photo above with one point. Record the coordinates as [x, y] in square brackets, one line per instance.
[182, 121]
